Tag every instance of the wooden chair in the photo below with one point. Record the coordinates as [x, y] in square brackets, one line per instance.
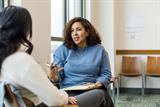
[12, 100]
[70, 105]
[153, 67]
[131, 67]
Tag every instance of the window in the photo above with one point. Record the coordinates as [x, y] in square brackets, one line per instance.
[1, 4]
[57, 23]
[14, 2]
[4, 3]
[61, 12]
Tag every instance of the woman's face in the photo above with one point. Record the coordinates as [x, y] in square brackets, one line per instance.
[79, 34]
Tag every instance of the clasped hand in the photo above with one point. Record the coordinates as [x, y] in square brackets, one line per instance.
[94, 85]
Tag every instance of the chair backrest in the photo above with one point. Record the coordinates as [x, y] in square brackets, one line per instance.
[153, 65]
[12, 100]
[131, 64]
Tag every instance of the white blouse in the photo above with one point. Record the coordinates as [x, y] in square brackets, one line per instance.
[27, 75]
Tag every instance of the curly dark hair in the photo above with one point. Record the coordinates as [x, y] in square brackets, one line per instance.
[92, 39]
[15, 30]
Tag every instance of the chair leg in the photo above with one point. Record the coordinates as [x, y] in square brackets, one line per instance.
[145, 83]
[113, 93]
[119, 81]
[118, 88]
[142, 85]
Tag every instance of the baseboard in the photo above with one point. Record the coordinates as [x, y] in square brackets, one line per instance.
[139, 90]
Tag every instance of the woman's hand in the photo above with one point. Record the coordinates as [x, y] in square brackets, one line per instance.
[53, 73]
[88, 83]
[72, 100]
[94, 85]
[98, 84]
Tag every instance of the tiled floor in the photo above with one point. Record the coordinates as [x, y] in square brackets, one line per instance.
[133, 100]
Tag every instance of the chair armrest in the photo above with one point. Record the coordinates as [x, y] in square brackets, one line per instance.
[69, 105]
[114, 78]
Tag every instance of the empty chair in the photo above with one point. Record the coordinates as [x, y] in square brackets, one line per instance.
[131, 67]
[153, 67]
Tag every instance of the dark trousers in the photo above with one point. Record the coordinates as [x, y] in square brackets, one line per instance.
[92, 98]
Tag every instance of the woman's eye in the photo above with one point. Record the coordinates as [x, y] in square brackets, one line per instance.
[79, 29]
[72, 30]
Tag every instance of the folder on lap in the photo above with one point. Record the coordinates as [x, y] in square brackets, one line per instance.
[80, 87]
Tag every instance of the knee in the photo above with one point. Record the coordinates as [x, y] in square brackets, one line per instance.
[99, 93]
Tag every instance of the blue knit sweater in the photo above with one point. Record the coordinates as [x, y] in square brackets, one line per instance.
[89, 64]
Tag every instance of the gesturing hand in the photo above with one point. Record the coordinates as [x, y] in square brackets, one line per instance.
[53, 74]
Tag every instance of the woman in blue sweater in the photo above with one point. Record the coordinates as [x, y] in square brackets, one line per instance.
[85, 61]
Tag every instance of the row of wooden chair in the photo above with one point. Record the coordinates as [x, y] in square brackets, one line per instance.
[131, 67]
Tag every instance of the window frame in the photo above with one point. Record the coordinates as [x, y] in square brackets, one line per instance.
[1, 4]
[66, 17]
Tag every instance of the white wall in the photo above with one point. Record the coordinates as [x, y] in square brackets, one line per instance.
[102, 17]
[40, 11]
[137, 24]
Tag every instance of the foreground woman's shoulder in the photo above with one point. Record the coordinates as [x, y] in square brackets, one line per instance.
[20, 56]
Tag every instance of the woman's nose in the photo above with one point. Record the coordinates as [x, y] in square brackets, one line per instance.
[75, 33]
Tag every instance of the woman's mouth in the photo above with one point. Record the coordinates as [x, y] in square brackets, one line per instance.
[76, 38]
